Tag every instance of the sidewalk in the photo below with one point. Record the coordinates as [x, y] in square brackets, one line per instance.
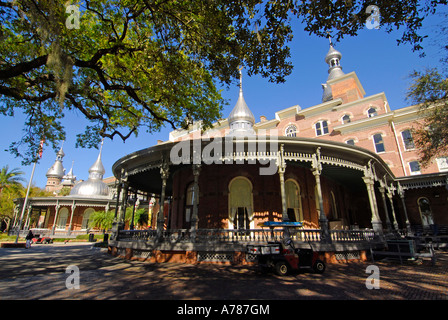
[40, 273]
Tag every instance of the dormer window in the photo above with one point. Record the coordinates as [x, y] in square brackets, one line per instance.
[372, 112]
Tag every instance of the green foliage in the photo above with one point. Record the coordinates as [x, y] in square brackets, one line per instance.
[136, 65]
[430, 90]
[101, 220]
[140, 217]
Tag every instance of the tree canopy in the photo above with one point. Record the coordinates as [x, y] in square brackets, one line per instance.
[132, 65]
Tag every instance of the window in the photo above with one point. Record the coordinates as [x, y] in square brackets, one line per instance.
[346, 119]
[442, 163]
[291, 131]
[408, 141]
[240, 204]
[86, 218]
[414, 167]
[189, 204]
[293, 201]
[62, 218]
[350, 142]
[379, 143]
[372, 112]
[321, 127]
[425, 211]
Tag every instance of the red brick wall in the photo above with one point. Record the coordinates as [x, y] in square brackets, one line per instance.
[213, 207]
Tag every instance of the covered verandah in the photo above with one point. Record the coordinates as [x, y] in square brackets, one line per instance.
[154, 170]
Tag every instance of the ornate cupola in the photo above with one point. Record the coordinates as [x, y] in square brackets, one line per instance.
[56, 172]
[94, 187]
[333, 59]
[241, 119]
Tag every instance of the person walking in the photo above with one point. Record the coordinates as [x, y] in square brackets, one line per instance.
[28, 239]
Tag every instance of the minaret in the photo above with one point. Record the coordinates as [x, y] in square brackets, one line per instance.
[241, 119]
[55, 173]
[93, 187]
[333, 59]
[97, 170]
[69, 178]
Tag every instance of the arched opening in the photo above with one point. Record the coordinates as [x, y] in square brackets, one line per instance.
[240, 204]
[86, 218]
[293, 200]
[62, 219]
[190, 197]
[425, 211]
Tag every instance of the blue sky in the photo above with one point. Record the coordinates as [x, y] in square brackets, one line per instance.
[379, 63]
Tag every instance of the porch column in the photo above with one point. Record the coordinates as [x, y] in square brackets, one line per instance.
[124, 201]
[323, 221]
[383, 196]
[195, 217]
[390, 195]
[56, 208]
[164, 173]
[281, 174]
[71, 217]
[400, 191]
[117, 203]
[376, 221]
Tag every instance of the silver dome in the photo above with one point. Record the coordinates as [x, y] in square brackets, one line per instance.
[241, 119]
[57, 169]
[94, 187]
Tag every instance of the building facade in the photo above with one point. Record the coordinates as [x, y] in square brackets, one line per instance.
[347, 168]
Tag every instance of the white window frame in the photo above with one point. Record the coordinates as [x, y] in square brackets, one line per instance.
[374, 114]
[410, 168]
[321, 125]
[349, 118]
[442, 164]
[404, 143]
[292, 133]
[375, 144]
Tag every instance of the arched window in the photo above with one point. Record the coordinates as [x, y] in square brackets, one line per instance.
[425, 211]
[240, 204]
[86, 218]
[189, 203]
[62, 218]
[350, 142]
[379, 143]
[293, 200]
[291, 131]
[321, 127]
[346, 119]
[372, 112]
[334, 208]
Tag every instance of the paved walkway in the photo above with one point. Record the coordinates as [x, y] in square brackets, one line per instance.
[40, 273]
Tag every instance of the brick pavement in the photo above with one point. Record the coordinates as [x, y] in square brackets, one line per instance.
[39, 273]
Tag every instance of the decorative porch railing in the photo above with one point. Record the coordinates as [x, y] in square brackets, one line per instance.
[234, 235]
[58, 233]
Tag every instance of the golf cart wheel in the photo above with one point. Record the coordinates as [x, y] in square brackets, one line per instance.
[319, 266]
[281, 268]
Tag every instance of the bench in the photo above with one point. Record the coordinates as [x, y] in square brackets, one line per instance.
[405, 248]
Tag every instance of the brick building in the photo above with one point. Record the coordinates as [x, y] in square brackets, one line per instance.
[346, 164]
